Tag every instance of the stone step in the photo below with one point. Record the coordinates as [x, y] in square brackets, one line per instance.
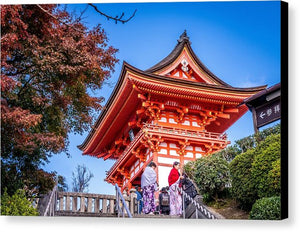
[86, 214]
[162, 216]
[64, 213]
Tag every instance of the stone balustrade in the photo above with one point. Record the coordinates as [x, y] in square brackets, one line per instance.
[89, 203]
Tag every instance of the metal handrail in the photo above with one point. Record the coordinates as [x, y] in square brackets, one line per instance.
[137, 203]
[124, 205]
[198, 206]
[51, 202]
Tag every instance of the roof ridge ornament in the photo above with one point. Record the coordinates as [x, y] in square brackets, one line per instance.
[184, 37]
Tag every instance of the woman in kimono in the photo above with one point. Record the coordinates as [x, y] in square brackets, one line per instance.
[175, 196]
[149, 186]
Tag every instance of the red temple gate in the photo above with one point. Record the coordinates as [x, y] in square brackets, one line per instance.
[175, 111]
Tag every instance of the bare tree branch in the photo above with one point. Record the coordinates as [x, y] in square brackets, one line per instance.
[117, 18]
[68, 25]
[81, 178]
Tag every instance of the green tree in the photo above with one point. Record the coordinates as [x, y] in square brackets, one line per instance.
[249, 142]
[61, 184]
[229, 153]
[17, 205]
[246, 143]
[211, 175]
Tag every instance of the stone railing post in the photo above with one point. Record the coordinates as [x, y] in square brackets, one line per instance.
[68, 201]
[79, 203]
[111, 206]
[61, 202]
[89, 204]
[82, 204]
[104, 205]
[74, 204]
[97, 205]
[133, 197]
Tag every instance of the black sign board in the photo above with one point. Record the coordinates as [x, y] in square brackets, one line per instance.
[265, 106]
[268, 113]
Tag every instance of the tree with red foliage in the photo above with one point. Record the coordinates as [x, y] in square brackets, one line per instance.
[49, 62]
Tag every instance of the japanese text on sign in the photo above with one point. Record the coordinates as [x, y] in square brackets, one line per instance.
[268, 113]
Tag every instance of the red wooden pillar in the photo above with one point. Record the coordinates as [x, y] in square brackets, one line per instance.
[155, 160]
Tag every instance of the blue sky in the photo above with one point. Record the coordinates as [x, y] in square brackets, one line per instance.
[238, 41]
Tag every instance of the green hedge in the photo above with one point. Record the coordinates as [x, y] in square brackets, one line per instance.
[266, 209]
[256, 173]
[267, 154]
[243, 188]
[274, 178]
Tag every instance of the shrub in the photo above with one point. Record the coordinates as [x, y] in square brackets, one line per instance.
[206, 198]
[266, 209]
[229, 153]
[262, 135]
[17, 205]
[189, 169]
[243, 188]
[211, 175]
[256, 172]
[274, 178]
[266, 153]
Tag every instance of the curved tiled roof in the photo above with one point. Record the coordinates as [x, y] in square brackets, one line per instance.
[183, 41]
[127, 67]
[151, 75]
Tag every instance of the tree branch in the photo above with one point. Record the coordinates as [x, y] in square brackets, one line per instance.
[117, 18]
[68, 25]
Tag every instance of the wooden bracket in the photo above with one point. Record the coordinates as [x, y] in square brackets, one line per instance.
[152, 142]
[124, 172]
[182, 145]
[138, 154]
[181, 110]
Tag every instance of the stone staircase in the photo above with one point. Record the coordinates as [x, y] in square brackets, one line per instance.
[74, 204]
[63, 213]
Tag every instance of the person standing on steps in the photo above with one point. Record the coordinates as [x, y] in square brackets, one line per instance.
[139, 199]
[164, 201]
[175, 196]
[189, 188]
[149, 186]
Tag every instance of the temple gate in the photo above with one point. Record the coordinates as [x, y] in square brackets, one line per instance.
[176, 110]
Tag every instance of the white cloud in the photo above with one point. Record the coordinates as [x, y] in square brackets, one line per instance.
[249, 81]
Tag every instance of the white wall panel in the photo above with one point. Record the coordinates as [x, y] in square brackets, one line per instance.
[167, 160]
[163, 174]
